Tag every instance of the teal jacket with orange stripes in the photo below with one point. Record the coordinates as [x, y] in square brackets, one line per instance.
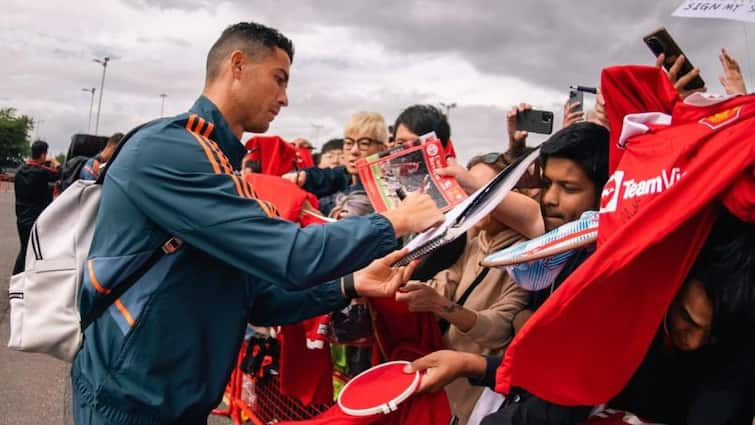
[163, 352]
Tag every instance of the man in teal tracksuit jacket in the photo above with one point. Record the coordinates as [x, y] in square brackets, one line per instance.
[162, 353]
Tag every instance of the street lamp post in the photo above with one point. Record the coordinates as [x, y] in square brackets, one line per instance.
[162, 105]
[102, 62]
[37, 129]
[91, 106]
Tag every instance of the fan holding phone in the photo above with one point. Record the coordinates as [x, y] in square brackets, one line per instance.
[685, 77]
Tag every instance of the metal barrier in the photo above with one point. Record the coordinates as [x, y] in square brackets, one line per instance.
[268, 405]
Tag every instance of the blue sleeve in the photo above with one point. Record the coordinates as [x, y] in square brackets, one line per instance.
[275, 306]
[488, 380]
[179, 187]
[326, 181]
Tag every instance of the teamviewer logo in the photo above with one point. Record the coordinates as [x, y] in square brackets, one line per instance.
[610, 197]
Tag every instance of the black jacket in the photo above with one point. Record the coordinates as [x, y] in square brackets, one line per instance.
[33, 191]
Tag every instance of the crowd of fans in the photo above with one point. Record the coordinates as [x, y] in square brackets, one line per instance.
[566, 182]
[699, 366]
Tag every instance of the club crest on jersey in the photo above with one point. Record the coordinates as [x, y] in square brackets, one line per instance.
[618, 188]
[722, 118]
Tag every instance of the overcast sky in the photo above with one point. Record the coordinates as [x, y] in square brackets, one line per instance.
[350, 56]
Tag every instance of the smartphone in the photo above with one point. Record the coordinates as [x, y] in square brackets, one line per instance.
[535, 121]
[660, 41]
[576, 96]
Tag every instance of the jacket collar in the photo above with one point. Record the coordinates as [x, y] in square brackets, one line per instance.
[221, 133]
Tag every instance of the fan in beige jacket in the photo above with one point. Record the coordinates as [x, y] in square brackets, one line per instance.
[483, 324]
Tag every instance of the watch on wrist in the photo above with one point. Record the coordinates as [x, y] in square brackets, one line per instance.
[348, 288]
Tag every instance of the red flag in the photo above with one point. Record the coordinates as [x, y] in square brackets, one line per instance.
[586, 341]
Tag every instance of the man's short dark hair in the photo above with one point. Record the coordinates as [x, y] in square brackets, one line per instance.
[422, 119]
[332, 145]
[726, 268]
[586, 144]
[39, 149]
[254, 39]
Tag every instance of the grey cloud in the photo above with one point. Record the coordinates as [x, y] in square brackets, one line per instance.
[171, 4]
[548, 43]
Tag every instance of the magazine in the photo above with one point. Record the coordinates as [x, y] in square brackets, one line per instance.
[468, 213]
[388, 175]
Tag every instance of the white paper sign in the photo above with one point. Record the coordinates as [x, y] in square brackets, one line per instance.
[739, 10]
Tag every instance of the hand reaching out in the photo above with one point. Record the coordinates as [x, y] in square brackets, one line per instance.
[572, 114]
[731, 79]
[517, 138]
[466, 180]
[422, 298]
[442, 367]
[680, 82]
[598, 116]
[379, 279]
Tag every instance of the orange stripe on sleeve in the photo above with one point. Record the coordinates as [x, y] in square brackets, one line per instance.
[251, 188]
[126, 315]
[223, 159]
[265, 208]
[92, 278]
[208, 130]
[200, 124]
[190, 122]
[239, 187]
[208, 152]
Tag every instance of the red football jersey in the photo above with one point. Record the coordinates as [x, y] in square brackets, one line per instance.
[671, 165]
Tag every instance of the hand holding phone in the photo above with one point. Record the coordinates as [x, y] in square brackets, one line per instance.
[535, 121]
[675, 62]
[576, 98]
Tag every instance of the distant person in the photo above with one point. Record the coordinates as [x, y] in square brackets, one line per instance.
[93, 166]
[33, 193]
[418, 120]
[331, 155]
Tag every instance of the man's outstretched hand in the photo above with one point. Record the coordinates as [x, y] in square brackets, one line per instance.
[379, 279]
[416, 213]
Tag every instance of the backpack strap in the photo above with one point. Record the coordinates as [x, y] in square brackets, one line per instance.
[170, 246]
[443, 323]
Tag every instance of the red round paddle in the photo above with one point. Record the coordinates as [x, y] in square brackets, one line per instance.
[378, 390]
